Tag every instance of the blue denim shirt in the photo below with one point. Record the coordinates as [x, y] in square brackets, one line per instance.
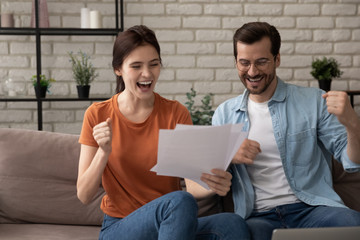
[306, 135]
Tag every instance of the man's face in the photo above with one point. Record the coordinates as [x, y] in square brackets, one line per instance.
[257, 68]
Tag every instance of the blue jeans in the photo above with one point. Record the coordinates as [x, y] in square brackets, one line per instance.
[299, 215]
[174, 216]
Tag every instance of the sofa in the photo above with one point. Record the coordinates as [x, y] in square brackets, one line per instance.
[38, 172]
[38, 200]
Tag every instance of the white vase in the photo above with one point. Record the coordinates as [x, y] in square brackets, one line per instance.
[85, 18]
[43, 14]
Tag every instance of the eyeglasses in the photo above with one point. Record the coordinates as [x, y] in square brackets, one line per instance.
[261, 64]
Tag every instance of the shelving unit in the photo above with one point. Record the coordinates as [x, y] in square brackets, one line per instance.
[38, 32]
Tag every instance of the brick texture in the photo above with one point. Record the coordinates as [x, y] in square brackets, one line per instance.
[196, 43]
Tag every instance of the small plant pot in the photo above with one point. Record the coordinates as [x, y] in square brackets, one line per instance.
[325, 85]
[83, 91]
[40, 92]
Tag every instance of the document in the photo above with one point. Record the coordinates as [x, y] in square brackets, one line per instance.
[188, 151]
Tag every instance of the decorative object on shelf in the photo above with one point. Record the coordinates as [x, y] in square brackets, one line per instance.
[7, 20]
[83, 91]
[43, 14]
[200, 115]
[95, 19]
[83, 73]
[10, 87]
[324, 70]
[45, 84]
[13, 88]
[85, 18]
[90, 18]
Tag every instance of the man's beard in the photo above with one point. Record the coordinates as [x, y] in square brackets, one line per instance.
[265, 78]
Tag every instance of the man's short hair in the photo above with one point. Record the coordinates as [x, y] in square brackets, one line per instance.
[253, 32]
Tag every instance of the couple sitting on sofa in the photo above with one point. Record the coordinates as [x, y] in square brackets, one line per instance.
[280, 177]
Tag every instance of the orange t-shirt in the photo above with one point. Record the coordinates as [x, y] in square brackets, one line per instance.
[127, 179]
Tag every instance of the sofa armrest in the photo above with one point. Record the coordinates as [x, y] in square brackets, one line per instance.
[38, 174]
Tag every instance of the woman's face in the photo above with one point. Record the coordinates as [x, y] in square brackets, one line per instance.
[140, 71]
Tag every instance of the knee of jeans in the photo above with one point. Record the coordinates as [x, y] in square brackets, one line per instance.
[180, 205]
[228, 225]
[232, 219]
[353, 218]
[182, 199]
[342, 217]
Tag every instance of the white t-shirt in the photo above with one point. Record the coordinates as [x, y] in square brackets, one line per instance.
[267, 173]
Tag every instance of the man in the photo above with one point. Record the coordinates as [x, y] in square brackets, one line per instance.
[282, 172]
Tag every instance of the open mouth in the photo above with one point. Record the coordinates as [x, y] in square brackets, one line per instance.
[144, 85]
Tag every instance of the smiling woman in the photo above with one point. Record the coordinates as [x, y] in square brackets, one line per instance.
[128, 41]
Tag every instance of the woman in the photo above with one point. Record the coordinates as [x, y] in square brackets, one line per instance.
[119, 147]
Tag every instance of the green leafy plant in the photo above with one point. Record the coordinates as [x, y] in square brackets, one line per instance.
[44, 82]
[325, 69]
[83, 70]
[200, 115]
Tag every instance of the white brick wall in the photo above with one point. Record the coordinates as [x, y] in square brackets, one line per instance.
[196, 42]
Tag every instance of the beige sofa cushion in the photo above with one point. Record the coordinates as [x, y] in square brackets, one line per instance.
[38, 172]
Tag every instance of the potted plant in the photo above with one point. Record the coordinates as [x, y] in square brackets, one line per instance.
[200, 115]
[324, 70]
[83, 73]
[43, 87]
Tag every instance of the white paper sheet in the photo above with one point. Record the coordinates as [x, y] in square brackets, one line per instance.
[188, 151]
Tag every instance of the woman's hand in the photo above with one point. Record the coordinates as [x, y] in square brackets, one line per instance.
[92, 162]
[102, 134]
[219, 182]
